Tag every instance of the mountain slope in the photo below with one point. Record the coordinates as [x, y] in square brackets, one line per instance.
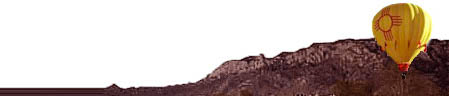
[343, 68]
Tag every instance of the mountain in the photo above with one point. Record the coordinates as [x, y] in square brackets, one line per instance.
[343, 68]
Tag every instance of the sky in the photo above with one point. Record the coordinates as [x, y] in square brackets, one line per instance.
[142, 43]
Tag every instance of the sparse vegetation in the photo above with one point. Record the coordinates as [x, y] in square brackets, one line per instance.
[345, 88]
[245, 92]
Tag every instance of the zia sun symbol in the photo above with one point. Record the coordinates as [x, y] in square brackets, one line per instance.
[386, 22]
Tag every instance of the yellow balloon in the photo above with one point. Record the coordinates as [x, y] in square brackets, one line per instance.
[402, 30]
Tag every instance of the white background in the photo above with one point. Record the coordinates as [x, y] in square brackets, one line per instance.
[95, 43]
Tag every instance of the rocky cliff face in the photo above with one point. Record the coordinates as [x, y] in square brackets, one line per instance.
[343, 68]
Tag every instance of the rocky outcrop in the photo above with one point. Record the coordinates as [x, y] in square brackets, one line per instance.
[343, 68]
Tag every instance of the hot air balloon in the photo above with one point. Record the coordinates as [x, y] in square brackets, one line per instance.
[402, 30]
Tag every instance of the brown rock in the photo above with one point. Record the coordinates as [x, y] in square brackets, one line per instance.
[342, 68]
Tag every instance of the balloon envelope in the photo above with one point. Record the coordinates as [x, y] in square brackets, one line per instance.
[402, 30]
